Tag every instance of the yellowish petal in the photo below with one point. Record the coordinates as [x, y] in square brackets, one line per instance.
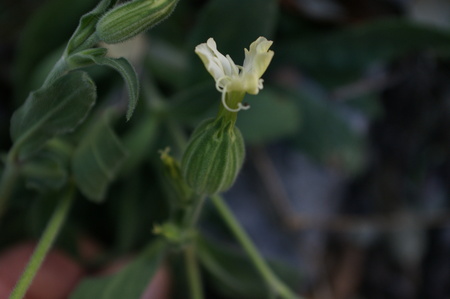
[216, 63]
[258, 58]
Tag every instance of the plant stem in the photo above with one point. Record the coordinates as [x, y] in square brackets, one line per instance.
[7, 183]
[44, 245]
[271, 279]
[193, 273]
[193, 213]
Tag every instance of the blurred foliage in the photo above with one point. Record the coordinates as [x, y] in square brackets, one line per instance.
[232, 273]
[389, 139]
[130, 282]
[97, 159]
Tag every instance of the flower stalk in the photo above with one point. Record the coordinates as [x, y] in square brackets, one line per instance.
[258, 261]
[193, 273]
[43, 247]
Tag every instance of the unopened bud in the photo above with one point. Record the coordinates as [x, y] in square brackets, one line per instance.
[214, 157]
[127, 20]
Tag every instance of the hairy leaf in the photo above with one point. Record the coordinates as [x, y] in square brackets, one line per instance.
[52, 111]
[128, 73]
[89, 57]
[85, 58]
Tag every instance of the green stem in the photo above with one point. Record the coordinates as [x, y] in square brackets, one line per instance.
[271, 279]
[193, 273]
[44, 245]
[233, 99]
[193, 214]
[7, 184]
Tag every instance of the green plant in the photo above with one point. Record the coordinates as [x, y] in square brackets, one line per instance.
[59, 149]
[145, 170]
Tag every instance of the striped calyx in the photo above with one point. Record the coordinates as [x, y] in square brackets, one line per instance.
[214, 157]
[131, 18]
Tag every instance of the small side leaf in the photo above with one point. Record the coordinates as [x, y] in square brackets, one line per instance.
[97, 160]
[129, 283]
[128, 73]
[85, 58]
[52, 111]
[90, 56]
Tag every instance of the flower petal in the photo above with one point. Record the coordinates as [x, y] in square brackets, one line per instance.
[215, 62]
[211, 63]
[258, 58]
[228, 76]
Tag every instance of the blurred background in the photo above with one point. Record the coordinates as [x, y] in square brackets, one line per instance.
[347, 175]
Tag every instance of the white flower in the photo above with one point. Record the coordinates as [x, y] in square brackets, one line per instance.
[231, 77]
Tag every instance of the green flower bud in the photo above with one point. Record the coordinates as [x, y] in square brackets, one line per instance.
[131, 18]
[213, 157]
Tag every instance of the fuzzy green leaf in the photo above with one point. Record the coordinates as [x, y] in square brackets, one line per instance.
[85, 58]
[129, 283]
[89, 57]
[97, 160]
[128, 73]
[52, 111]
